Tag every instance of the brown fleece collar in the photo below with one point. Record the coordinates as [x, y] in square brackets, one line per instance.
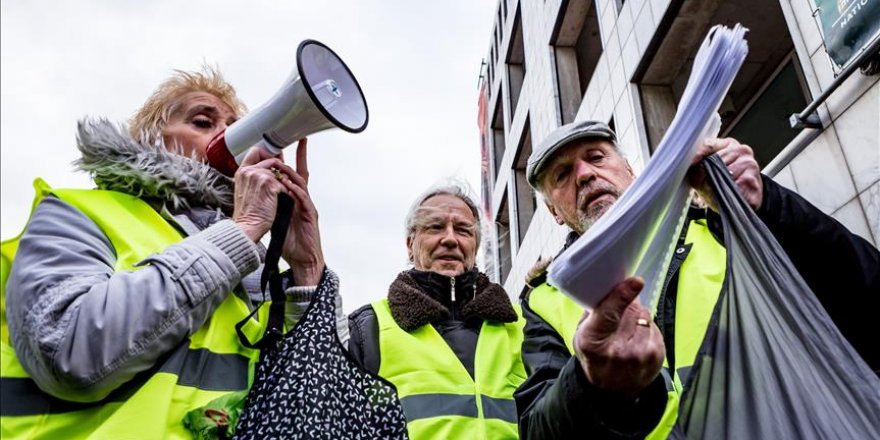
[412, 308]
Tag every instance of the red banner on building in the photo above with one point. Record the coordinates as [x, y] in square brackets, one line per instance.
[483, 122]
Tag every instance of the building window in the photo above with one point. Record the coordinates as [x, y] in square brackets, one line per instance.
[516, 63]
[768, 88]
[498, 147]
[525, 202]
[490, 68]
[499, 33]
[502, 227]
[501, 15]
[577, 48]
[762, 122]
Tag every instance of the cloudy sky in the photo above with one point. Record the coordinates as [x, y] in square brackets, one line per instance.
[418, 63]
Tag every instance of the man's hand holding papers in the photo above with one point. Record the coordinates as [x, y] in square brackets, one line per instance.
[617, 344]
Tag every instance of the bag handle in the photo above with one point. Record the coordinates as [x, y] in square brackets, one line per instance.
[271, 277]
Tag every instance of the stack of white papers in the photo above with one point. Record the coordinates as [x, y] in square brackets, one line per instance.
[638, 234]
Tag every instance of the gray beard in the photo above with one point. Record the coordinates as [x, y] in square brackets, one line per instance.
[588, 216]
[586, 220]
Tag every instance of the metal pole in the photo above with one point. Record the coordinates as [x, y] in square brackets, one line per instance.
[807, 118]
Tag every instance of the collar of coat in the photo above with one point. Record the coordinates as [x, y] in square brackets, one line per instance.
[117, 162]
[412, 306]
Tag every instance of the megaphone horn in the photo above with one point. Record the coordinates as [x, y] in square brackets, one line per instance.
[321, 93]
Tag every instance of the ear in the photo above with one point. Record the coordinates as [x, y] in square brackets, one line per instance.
[409, 243]
[629, 168]
[552, 210]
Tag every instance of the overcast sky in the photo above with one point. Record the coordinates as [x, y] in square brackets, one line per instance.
[417, 61]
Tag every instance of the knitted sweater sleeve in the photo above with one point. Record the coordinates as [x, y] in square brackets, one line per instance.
[81, 329]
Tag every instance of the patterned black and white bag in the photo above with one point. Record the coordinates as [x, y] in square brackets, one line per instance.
[307, 386]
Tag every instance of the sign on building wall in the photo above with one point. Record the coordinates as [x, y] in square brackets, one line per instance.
[848, 25]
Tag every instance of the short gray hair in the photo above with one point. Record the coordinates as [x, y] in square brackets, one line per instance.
[453, 188]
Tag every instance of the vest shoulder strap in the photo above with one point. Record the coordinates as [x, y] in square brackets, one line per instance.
[557, 310]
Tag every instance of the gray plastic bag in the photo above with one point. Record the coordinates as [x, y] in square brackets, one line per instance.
[772, 365]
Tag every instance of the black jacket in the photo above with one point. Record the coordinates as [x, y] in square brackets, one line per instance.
[417, 298]
[842, 269]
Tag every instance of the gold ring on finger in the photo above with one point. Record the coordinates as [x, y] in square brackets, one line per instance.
[277, 173]
[643, 322]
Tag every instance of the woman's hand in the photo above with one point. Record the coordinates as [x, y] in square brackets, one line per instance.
[258, 182]
[302, 249]
[256, 192]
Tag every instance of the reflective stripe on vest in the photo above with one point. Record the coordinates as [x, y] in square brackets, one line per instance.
[700, 279]
[210, 364]
[440, 398]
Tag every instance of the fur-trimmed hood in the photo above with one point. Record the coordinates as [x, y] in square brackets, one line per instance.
[117, 162]
[537, 275]
[413, 296]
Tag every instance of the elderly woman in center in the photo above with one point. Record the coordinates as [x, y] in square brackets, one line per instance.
[446, 336]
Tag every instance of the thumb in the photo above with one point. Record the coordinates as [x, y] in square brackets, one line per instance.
[606, 317]
[708, 147]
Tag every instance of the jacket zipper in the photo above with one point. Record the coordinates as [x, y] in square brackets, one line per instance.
[452, 295]
[452, 283]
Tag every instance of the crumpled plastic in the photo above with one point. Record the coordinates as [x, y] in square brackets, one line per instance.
[217, 419]
[772, 365]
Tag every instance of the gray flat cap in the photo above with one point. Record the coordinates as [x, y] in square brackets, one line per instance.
[558, 138]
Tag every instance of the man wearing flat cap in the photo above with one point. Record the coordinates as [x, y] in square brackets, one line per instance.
[618, 372]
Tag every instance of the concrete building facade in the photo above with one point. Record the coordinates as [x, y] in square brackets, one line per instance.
[626, 62]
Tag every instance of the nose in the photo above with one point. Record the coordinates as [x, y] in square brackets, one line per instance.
[584, 172]
[448, 238]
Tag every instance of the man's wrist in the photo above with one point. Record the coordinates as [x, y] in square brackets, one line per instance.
[622, 414]
[623, 388]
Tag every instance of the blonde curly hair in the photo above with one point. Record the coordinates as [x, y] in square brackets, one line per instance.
[147, 124]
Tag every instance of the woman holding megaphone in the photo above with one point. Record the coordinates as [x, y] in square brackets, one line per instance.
[122, 301]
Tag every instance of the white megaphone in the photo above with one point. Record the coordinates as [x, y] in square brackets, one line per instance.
[322, 93]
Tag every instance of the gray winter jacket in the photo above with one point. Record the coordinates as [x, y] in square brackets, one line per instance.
[81, 329]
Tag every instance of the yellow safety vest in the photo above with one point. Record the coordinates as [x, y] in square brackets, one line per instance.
[699, 284]
[209, 364]
[440, 398]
